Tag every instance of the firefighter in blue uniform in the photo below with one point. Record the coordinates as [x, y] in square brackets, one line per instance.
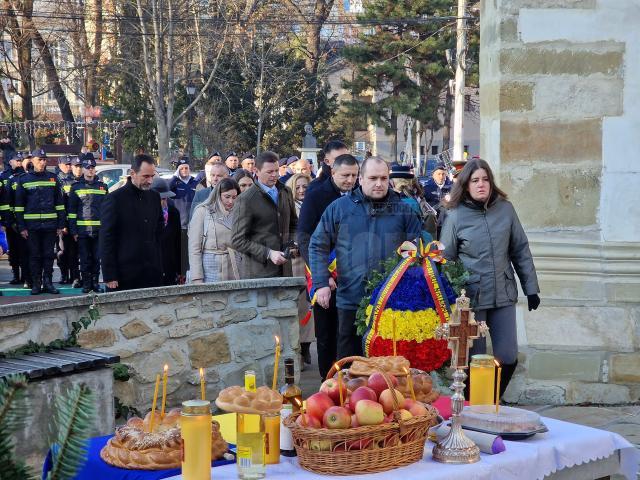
[85, 203]
[184, 187]
[16, 243]
[63, 170]
[40, 215]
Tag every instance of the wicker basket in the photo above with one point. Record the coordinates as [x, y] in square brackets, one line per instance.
[367, 449]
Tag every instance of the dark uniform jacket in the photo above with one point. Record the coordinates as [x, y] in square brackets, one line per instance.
[85, 205]
[185, 191]
[259, 226]
[363, 234]
[8, 197]
[433, 193]
[323, 175]
[313, 206]
[170, 245]
[39, 204]
[130, 232]
[5, 204]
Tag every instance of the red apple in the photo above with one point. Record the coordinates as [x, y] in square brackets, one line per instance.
[386, 399]
[369, 412]
[418, 409]
[378, 384]
[318, 403]
[359, 444]
[349, 406]
[388, 419]
[354, 383]
[362, 393]
[337, 417]
[308, 421]
[330, 387]
[354, 421]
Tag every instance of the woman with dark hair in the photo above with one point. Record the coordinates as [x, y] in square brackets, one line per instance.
[210, 257]
[244, 178]
[482, 229]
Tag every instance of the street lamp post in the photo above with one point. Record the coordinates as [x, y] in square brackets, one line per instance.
[12, 93]
[191, 91]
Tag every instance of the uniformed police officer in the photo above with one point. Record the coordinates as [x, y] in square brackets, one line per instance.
[15, 241]
[85, 203]
[39, 209]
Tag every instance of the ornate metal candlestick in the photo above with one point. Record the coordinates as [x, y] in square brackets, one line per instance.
[456, 447]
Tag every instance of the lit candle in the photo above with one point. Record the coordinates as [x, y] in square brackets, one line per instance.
[498, 387]
[202, 389]
[274, 383]
[393, 324]
[302, 411]
[340, 384]
[155, 401]
[164, 390]
[410, 382]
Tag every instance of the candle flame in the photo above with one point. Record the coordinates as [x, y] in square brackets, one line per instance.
[166, 368]
[277, 340]
[298, 402]
[336, 366]
[496, 362]
[201, 372]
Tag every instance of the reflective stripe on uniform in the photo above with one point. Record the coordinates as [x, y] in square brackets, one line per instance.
[90, 191]
[18, 209]
[59, 207]
[39, 184]
[40, 216]
[66, 188]
[88, 223]
[5, 207]
[72, 215]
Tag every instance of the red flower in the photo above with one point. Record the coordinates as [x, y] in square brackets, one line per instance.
[428, 355]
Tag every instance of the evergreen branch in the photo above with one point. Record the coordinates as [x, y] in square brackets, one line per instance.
[13, 409]
[73, 423]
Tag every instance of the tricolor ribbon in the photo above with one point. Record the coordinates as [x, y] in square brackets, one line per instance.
[411, 254]
[333, 272]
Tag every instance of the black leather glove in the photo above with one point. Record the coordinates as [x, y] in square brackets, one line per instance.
[533, 301]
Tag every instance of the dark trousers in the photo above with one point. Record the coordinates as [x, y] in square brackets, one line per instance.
[326, 327]
[41, 252]
[69, 258]
[184, 252]
[89, 258]
[15, 247]
[349, 343]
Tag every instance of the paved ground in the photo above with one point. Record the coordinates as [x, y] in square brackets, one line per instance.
[624, 420]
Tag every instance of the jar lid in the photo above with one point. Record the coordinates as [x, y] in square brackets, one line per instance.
[486, 360]
[196, 407]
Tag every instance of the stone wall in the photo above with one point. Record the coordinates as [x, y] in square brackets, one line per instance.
[226, 328]
[559, 123]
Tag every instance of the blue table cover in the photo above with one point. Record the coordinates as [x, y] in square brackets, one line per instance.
[98, 469]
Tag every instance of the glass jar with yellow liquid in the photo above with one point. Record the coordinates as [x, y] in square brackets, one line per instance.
[482, 373]
[250, 439]
[195, 429]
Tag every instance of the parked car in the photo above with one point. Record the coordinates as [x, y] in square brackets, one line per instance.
[112, 174]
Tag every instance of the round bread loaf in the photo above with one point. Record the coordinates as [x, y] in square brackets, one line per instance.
[367, 366]
[237, 400]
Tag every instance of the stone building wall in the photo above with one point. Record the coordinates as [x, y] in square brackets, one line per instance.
[226, 328]
[559, 124]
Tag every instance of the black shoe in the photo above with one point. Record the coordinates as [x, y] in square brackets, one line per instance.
[16, 276]
[86, 285]
[27, 285]
[47, 286]
[36, 288]
[76, 283]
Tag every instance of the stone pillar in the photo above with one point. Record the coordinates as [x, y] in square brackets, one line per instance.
[559, 124]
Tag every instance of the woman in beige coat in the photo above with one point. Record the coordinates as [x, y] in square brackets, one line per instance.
[298, 184]
[210, 257]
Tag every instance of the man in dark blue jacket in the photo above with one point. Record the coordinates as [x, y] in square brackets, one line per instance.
[332, 150]
[365, 228]
[437, 186]
[40, 217]
[343, 177]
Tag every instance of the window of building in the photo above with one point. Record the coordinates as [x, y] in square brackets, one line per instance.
[434, 149]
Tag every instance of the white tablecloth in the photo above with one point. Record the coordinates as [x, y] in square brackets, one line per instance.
[565, 445]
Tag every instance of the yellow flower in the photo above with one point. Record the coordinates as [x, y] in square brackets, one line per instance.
[418, 326]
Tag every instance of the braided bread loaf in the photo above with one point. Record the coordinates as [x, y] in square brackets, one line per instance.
[134, 448]
[237, 400]
[367, 366]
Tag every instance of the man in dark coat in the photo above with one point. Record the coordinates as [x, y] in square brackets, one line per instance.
[364, 228]
[171, 239]
[437, 187]
[343, 177]
[332, 150]
[131, 229]
[183, 185]
[265, 222]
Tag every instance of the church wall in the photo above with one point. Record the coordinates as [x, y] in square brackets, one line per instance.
[559, 124]
[227, 328]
